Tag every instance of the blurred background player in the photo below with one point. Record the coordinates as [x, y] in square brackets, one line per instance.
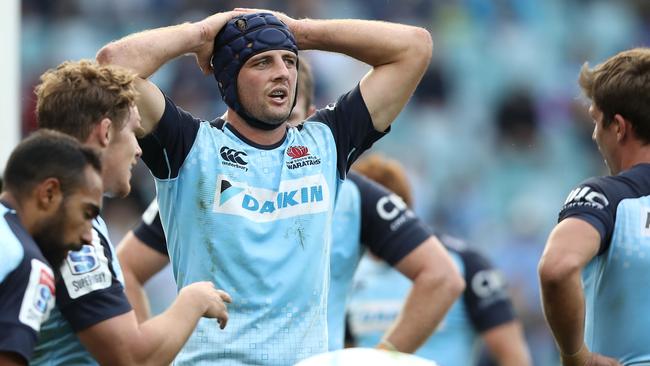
[368, 217]
[594, 272]
[483, 313]
[93, 321]
[52, 193]
[245, 200]
[406, 245]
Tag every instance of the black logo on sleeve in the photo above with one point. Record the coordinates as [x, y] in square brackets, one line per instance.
[233, 158]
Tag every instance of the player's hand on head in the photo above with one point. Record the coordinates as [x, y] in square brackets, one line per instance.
[211, 300]
[289, 21]
[209, 27]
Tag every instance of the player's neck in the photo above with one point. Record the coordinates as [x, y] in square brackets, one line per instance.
[26, 213]
[261, 137]
[637, 155]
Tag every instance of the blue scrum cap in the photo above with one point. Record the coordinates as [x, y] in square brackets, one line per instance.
[241, 38]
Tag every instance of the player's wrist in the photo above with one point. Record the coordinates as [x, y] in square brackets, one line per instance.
[576, 358]
[386, 345]
[192, 299]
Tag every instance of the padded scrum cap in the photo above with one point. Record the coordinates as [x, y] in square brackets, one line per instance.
[241, 38]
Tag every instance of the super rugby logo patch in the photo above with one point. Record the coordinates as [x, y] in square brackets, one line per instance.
[87, 269]
[38, 300]
[296, 197]
[300, 157]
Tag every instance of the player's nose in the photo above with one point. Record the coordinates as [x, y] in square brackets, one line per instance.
[87, 236]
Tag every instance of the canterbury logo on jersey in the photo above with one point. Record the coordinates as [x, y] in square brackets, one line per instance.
[296, 197]
[234, 158]
[586, 196]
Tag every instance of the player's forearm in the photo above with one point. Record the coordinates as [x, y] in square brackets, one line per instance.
[373, 42]
[518, 357]
[145, 52]
[563, 303]
[137, 297]
[507, 344]
[425, 307]
[162, 337]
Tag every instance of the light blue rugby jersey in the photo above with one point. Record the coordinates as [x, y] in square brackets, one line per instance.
[617, 280]
[379, 293]
[366, 216]
[89, 290]
[255, 221]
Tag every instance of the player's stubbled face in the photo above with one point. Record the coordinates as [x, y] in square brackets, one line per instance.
[121, 156]
[70, 225]
[266, 85]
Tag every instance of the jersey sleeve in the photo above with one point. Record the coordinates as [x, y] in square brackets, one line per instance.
[165, 149]
[388, 227]
[486, 294]
[88, 290]
[351, 124]
[26, 298]
[150, 230]
[593, 201]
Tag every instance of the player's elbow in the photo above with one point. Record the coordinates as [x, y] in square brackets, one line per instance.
[109, 54]
[421, 48]
[555, 269]
[442, 283]
[105, 54]
[455, 284]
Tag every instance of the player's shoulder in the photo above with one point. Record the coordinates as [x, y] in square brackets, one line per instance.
[100, 227]
[12, 250]
[635, 180]
[366, 186]
[473, 260]
[15, 245]
[357, 179]
[608, 191]
[342, 104]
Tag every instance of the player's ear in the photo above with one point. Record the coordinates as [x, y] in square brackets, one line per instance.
[48, 194]
[623, 127]
[101, 133]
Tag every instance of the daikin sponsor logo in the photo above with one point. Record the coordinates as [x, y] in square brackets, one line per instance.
[296, 197]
